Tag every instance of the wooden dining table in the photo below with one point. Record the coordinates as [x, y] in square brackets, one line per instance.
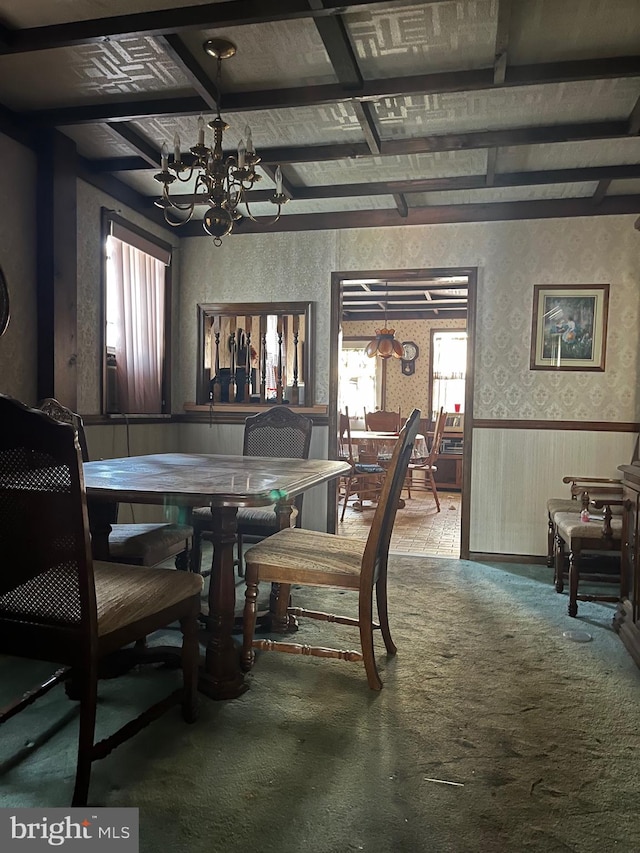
[387, 440]
[225, 483]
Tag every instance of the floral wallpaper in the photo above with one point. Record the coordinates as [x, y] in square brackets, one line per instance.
[510, 256]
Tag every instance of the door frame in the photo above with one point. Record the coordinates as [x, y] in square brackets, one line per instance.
[334, 337]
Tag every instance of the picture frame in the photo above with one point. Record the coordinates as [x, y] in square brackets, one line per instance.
[569, 327]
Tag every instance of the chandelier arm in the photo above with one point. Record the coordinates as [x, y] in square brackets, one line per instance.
[178, 222]
[263, 220]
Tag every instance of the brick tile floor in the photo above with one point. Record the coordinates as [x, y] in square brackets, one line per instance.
[419, 528]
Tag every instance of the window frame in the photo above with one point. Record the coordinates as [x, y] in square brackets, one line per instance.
[432, 333]
[146, 242]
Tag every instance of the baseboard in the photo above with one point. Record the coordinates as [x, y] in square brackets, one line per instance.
[480, 557]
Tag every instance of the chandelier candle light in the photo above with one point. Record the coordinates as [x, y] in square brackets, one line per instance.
[221, 182]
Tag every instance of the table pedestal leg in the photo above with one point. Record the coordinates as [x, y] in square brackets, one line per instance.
[222, 677]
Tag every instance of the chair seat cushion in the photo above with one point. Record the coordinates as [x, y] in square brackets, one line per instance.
[569, 526]
[148, 544]
[365, 468]
[563, 505]
[261, 520]
[308, 557]
[126, 594]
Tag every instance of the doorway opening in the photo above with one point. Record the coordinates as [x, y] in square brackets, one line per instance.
[432, 313]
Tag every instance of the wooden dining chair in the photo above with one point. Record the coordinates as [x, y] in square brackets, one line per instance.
[279, 432]
[601, 535]
[56, 603]
[428, 465]
[581, 491]
[136, 544]
[383, 421]
[310, 558]
[366, 476]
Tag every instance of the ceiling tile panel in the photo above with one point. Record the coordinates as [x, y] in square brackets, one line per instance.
[631, 187]
[498, 194]
[442, 164]
[551, 30]
[265, 58]
[587, 100]
[568, 155]
[36, 13]
[320, 125]
[77, 75]
[424, 37]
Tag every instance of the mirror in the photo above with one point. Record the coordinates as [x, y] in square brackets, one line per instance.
[255, 352]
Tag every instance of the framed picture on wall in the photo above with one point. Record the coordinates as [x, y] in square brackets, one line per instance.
[569, 326]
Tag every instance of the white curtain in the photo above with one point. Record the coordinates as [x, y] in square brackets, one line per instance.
[137, 306]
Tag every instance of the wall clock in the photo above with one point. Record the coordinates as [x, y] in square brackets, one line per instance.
[410, 352]
[4, 303]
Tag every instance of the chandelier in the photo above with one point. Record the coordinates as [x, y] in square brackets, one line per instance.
[384, 343]
[221, 182]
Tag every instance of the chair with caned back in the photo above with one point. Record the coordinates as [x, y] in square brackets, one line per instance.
[310, 558]
[56, 603]
[136, 544]
[281, 433]
[428, 465]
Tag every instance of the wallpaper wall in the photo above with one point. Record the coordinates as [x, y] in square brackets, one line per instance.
[18, 261]
[407, 392]
[511, 257]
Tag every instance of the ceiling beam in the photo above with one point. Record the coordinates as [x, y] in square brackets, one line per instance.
[364, 114]
[335, 38]
[371, 90]
[429, 144]
[492, 157]
[459, 182]
[450, 142]
[497, 211]
[123, 193]
[502, 42]
[634, 119]
[148, 152]
[344, 62]
[163, 21]
[600, 192]
[401, 205]
[199, 79]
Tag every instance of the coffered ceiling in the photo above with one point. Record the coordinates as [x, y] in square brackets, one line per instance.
[379, 113]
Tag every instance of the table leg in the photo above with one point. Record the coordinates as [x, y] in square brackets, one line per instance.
[101, 516]
[222, 677]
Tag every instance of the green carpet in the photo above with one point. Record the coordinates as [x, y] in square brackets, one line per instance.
[540, 734]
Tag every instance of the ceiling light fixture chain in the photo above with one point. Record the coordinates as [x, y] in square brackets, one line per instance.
[223, 181]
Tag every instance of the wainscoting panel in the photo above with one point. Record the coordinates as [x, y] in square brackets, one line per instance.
[515, 471]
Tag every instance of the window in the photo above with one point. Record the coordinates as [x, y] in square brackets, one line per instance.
[135, 333]
[448, 370]
[359, 386]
